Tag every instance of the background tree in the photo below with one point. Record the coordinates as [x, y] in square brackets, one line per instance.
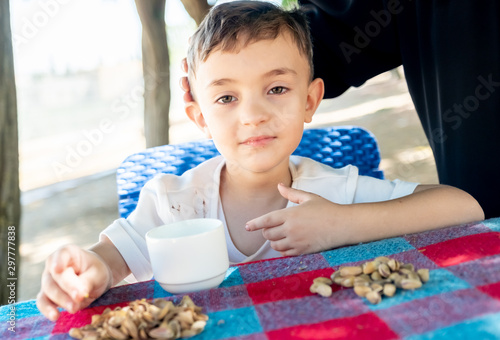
[10, 206]
[197, 9]
[155, 65]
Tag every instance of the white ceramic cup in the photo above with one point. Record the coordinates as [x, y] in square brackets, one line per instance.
[188, 256]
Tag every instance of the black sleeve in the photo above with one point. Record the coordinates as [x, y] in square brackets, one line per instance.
[353, 40]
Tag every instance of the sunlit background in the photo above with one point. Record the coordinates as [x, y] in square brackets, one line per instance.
[80, 109]
[79, 84]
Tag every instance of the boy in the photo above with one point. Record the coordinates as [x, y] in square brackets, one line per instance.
[251, 79]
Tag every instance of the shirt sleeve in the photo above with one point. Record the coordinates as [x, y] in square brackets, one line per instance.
[369, 189]
[129, 235]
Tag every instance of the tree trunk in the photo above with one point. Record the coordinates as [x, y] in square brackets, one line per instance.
[197, 9]
[155, 65]
[10, 206]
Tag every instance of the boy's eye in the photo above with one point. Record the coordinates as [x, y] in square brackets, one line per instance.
[226, 99]
[277, 90]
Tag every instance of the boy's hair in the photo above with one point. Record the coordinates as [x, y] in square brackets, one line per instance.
[230, 25]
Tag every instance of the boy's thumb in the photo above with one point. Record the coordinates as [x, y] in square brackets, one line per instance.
[294, 195]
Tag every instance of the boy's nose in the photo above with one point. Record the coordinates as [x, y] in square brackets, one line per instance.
[254, 112]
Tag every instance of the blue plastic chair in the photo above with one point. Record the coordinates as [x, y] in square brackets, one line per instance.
[333, 146]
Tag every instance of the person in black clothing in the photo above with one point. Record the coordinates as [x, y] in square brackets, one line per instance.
[451, 57]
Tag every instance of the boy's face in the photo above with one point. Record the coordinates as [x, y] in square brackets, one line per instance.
[254, 102]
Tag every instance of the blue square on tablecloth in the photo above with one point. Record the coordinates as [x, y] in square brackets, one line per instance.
[159, 292]
[366, 251]
[23, 310]
[493, 224]
[233, 278]
[441, 281]
[231, 323]
[484, 327]
[60, 336]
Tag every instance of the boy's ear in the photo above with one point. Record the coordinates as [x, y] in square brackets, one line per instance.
[315, 94]
[194, 113]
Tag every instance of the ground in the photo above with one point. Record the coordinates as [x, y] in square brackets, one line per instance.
[76, 211]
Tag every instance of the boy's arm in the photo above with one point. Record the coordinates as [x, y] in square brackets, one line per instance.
[429, 207]
[118, 268]
[317, 224]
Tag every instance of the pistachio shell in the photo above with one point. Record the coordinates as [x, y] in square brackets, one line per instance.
[376, 287]
[161, 332]
[384, 270]
[375, 276]
[362, 290]
[410, 284]
[373, 297]
[423, 274]
[389, 289]
[324, 280]
[393, 265]
[382, 259]
[76, 333]
[321, 289]
[369, 267]
[348, 282]
[351, 271]
[115, 333]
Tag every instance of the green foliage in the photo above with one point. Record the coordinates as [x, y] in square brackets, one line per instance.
[288, 4]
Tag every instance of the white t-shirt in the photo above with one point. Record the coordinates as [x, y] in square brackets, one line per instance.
[195, 194]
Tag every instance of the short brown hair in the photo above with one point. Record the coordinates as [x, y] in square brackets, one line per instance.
[227, 24]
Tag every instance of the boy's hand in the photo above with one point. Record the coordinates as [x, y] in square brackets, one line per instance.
[305, 228]
[72, 279]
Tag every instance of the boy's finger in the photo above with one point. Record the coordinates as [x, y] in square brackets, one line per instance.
[280, 245]
[272, 219]
[56, 294]
[76, 286]
[47, 307]
[294, 195]
[273, 233]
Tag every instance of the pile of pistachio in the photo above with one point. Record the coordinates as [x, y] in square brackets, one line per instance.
[143, 320]
[382, 276]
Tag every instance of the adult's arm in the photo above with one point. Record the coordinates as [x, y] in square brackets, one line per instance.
[353, 40]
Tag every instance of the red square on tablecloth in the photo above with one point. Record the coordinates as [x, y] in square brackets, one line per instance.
[463, 249]
[491, 289]
[81, 318]
[365, 326]
[286, 287]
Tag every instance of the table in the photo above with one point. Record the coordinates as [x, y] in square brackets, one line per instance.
[271, 300]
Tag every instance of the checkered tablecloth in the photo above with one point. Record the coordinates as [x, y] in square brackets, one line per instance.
[271, 299]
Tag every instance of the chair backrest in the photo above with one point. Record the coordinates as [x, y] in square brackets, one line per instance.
[333, 146]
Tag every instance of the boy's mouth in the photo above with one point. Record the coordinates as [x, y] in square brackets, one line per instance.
[258, 140]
